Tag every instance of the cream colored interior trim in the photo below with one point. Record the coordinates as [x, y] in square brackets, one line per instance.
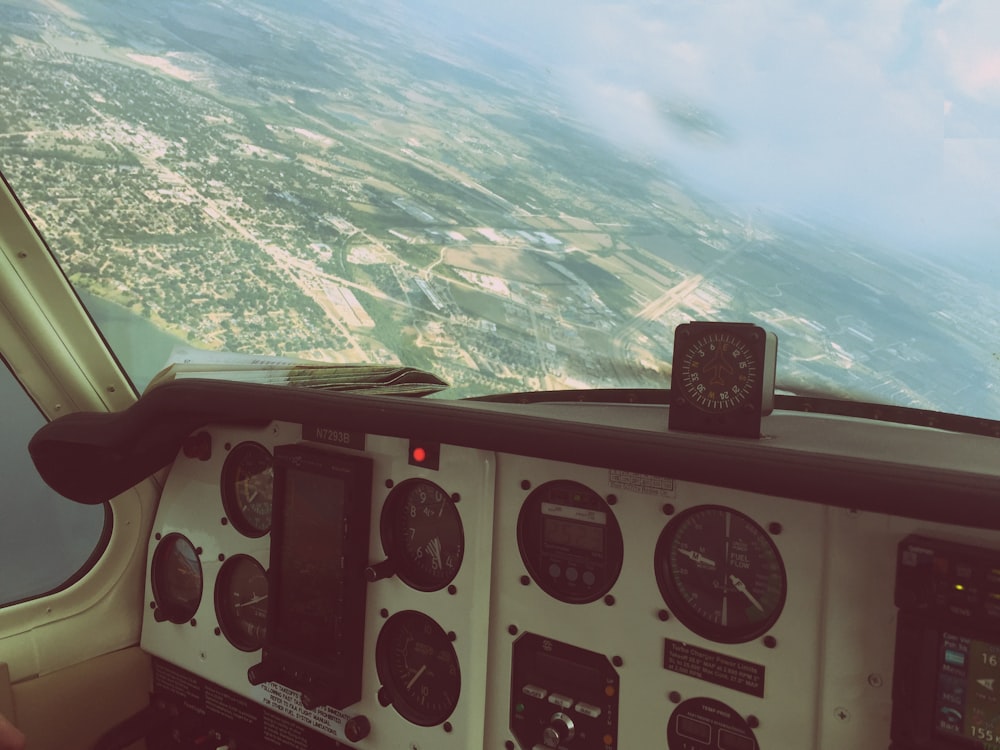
[45, 333]
[69, 710]
[6, 694]
[53, 348]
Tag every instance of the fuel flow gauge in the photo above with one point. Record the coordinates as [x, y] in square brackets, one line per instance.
[720, 574]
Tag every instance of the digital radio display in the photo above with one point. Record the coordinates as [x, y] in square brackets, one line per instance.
[967, 704]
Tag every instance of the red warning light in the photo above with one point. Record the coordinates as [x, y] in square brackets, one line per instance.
[425, 454]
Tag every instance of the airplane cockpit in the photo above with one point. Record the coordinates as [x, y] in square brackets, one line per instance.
[344, 570]
[421, 377]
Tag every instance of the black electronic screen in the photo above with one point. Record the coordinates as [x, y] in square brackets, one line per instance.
[319, 552]
[311, 594]
[967, 701]
[583, 536]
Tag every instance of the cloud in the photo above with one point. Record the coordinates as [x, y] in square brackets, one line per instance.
[967, 43]
[842, 112]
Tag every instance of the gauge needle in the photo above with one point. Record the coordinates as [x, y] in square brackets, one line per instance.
[255, 600]
[697, 557]
[416, 677]
[434, 547]
[742, 588]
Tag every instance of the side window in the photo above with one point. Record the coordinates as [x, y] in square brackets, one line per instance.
[46, 541]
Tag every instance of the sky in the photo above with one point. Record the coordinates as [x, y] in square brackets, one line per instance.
[882, 116]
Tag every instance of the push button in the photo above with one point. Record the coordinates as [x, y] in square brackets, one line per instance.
[560, 700]
[588, 710]
[533, 691]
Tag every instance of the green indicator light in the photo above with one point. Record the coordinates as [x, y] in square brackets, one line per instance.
[519, 708]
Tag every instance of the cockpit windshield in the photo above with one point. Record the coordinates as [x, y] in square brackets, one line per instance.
[523, 196]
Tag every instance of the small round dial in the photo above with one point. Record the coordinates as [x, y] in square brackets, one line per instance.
[248, 488]
[719, 371]
[422, 534]
[176, 578]
[241, 602]
[720, 574]
[418, 668]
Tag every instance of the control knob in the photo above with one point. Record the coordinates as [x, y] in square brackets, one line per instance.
[560, 729]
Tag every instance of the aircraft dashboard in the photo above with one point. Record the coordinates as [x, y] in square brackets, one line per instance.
[335, 570]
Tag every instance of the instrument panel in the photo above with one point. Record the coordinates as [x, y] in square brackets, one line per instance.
[512, 601]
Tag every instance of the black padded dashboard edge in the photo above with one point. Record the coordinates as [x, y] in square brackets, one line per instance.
[93, 457]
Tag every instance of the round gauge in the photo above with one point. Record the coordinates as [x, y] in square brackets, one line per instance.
[720, 573]
[176, 578]
[719, 371]
[418, 668]
[241, 602]
[570, 541]
[422, 534]
[707, 723]
[248, 488]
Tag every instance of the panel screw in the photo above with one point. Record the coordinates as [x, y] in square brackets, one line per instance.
[875, 680]
[525, 484]
[753, 722]
[674, 696]
[612, 499]
[525, 580]
[770, 641]
[774, 527]
[668, 509]
[447, 726]
[388, 484]
[842, 713]
[455, 497]
[512, 629]
[452, 589]
[663, 615]
[617, 661]
[609, 600]
[383, 613]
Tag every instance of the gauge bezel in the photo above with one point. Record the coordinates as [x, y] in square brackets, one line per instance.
[223, 587]
[530, 542]
[230, 495]
[392, 682]
[169, 608]
[676, 600]
[404, 564]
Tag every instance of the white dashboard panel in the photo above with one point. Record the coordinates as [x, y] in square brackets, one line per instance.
[827, 661]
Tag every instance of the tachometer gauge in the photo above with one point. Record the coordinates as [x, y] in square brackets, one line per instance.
[422, 534]
[720, 574]
[241, 602]
[418, 668]
[176, 579]
[248, 488]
